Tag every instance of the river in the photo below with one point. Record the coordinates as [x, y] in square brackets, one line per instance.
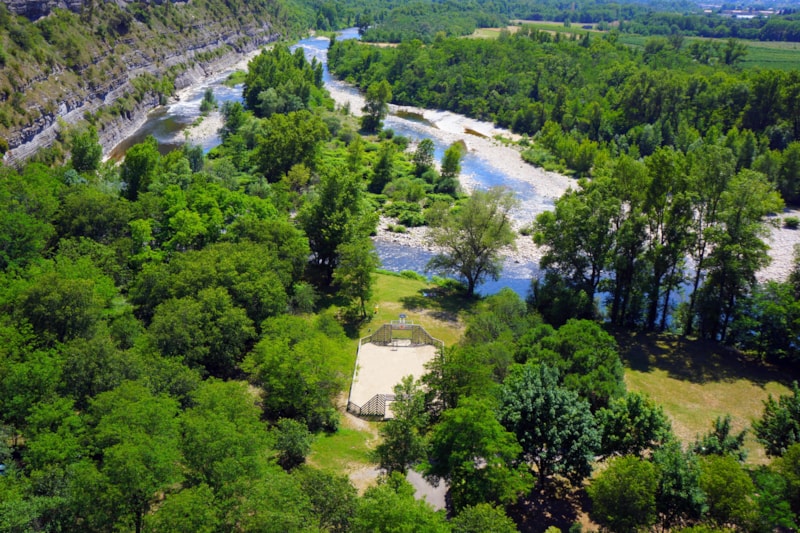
[168, 123]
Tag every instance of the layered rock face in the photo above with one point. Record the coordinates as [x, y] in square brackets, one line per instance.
[34, 9]
[123, 77]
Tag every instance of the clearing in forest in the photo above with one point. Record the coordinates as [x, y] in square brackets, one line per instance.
[393, 351]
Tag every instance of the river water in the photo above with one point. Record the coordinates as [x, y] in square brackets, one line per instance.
[167, 124]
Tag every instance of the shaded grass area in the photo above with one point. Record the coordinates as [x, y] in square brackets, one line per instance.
[342, 451]
[438, 310]
[347, 451]
[697, 381]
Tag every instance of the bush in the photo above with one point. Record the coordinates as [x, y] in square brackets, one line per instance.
[411, 219]
[410, 274]
[791, 222]
[396, 228]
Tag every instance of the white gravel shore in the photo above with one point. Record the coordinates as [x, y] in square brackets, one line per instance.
[481, 138]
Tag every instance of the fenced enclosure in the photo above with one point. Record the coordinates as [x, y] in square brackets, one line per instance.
[393, 351]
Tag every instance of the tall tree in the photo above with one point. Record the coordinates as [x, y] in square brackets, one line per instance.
[553, 425]
[355, 274]
[739, 250]
[378, 96]
[473, 235]
[334, 215]
[86, 150]
[577, 235]
[403, 444]
[477, 457]
[138, 170]
[712, 168]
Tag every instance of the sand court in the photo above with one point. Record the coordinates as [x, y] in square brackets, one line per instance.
[384, 358]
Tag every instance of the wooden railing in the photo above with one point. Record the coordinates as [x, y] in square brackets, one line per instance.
[376, 406]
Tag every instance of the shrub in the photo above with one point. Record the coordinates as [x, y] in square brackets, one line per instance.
[410, 274]
[791, 222]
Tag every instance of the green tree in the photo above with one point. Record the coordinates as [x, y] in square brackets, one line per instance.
[553, 425]
[354, 276]
[391, 507]
[292, 442]
[208, 332]
[739, 250]
[383, 170]
[728, 489]
[378, 96]
[334, 215]
[288, 140]
[720, 441]
[86, 150]
[301, 365]
[632, 425]
[481, 518]
[473, 235]
[587, 360]
[779, 426]
[451, 168]
[477, 458]
[680, 499]
[222, 436]
[403, 444]
[138, 170]
[423, 157]
[191, 509]
[624, 495]
[578, 235]
[137, 434]
[334, 499]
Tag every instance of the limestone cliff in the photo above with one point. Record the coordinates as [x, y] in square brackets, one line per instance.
[110, 63]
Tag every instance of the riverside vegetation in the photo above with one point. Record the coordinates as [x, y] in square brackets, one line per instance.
[163, 321]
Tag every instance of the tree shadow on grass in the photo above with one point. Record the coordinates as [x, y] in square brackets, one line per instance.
[441, 303]
[560, 507]
[696, 361]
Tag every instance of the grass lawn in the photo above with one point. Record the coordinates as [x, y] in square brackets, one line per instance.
[697, 381]
[440, 313]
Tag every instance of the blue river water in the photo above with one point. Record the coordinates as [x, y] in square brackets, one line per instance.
[168, 123]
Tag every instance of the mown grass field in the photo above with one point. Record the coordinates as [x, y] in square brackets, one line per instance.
[347, 450]
[760, 54]
[697, 381]
[694, 381]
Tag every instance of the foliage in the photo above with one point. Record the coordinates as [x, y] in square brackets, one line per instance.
[779, 426]
[624, 494]
[278, 81]
[292, 442]
[482, 517]
[378, 95]
[679, 499]
[391, 506]
[403, 443]
[296, 382]
[633, 425]
[553, 425]
[335, 215]
[720, 441]
[728, 489]
[472, 237]
[478, 459]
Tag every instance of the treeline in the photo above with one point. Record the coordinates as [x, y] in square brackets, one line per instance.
[778, 27]
[588, 100]
[162, 328]
[543, 407]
